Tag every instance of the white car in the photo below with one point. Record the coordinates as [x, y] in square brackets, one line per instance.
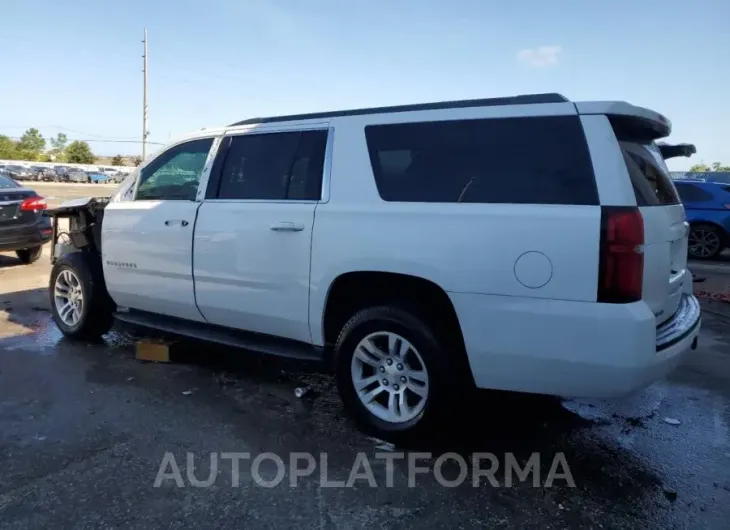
[527, 243]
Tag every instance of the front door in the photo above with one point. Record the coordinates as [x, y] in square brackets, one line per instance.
[147, 243]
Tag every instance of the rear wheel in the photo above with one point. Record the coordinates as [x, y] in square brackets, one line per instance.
[29, 255]
[392, 374]
[80, 303]
[705, 241]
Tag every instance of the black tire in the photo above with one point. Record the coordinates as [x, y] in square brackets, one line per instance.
[709, 241]
[97, 307]
[443, 373]
[29, 255]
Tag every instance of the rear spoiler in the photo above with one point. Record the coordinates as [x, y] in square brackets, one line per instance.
[673, 151]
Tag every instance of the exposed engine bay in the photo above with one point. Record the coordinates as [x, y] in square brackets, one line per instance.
[83, 232]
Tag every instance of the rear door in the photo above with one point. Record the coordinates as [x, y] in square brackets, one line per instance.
[253, 237]
[665, 227]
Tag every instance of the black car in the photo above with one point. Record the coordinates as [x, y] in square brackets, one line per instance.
[23, 227]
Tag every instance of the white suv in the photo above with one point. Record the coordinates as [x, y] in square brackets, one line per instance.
[526, 243]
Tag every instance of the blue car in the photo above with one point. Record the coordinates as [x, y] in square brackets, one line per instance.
[97, 177]
[707, 205]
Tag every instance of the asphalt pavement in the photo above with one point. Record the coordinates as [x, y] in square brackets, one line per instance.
[87, 432]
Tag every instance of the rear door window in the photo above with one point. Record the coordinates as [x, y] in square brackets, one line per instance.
[536, 160]
[274, 166]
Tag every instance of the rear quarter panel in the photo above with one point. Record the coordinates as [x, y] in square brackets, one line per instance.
[463, 248]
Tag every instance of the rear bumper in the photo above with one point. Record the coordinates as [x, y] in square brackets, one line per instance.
[27, 236]
[571, 349]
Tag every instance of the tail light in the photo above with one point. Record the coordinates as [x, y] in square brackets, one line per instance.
[621, 267]
[33, 204]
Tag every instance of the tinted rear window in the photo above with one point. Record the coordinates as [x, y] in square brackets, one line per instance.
[6, 182]
[541, 160]
[649, 174]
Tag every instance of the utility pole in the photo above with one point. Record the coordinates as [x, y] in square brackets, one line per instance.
[145, 132]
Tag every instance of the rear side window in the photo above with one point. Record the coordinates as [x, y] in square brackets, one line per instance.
[692, 193]
[539, 160]
[274, 166]
[649, 174]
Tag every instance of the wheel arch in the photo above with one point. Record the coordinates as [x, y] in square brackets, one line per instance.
[354, 290]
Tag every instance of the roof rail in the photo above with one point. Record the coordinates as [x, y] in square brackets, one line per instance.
[524, 99]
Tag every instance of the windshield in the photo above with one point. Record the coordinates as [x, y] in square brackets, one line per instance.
[6, 182]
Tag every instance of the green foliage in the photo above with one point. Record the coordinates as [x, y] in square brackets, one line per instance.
[80, 153]
[8, 149]
[716, 166]
[117, 160]
[58, 147]
[32, 142]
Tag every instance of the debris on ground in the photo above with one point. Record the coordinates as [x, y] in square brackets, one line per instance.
[187, 392]
[301, 391]
[670, 494]
[382, 444]
[672, 421]
[153, 350]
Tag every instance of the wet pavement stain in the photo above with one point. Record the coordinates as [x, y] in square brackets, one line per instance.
[85, 426]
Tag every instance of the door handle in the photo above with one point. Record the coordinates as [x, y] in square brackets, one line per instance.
[171, 222]
[287, 227]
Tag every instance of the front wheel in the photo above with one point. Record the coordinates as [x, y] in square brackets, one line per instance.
[392, 374]
[29, 255]
[80, 303]
[705, 241]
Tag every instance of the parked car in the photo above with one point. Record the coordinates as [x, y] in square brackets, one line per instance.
[527, 243]
[97, 177]
[707, 206]
[118, 177]
[109, 171]
[42, 173]
[76, 175]
[23, 228]
[61, 173]
[18, 172]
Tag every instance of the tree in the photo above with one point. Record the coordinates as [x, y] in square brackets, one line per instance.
[80, 153]
[59, 143]
[58, 147]
[32, 142]
[716, 166]
[117, 160]
[136, 160]
[8, 149]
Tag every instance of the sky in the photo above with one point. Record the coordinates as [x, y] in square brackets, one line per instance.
[75, 66]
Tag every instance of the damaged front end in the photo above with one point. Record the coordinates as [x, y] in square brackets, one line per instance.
[77, 226]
